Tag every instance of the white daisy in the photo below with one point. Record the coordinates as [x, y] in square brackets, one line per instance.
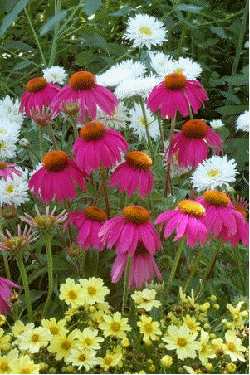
[216, 124]
[10, 109]
[7, 146]
[243, 122]
[144, 30]
[55, 74]
[118, 118]
[34, 339]
[15, 191]
[121, 71]
[161, 63]
[188, 67]
[214, 172]
[11, 127]
[137, 122]
[137, 86]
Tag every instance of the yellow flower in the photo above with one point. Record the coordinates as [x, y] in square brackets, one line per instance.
[166, 361]
[125, 342]
[145, 299]
[191, 323]
[174, 320]
[61, 345]
[34, 339]
[181, 340]
[94, 290]
[233, 346]
[56, 328]
[4, 339]
[25, 365]
[82, 357]
[149, 328]
[89, 339]
[231, 367]
[204, 307]
[111, 359]
[115, 325]
[7, 362]
[72, 293]
[2, 319]
[238, 319]
[205, 350]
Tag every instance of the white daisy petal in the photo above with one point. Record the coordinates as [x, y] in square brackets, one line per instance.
[55, 74]
[216, 124]
[137, 86]
[138, 124]
[243, 122]
[10, 110]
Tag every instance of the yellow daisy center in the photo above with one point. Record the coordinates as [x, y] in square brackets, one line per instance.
[213, 173]
[55, 161]
[216, 197]
[145, 31]
[115, 326]
[36, 84]
[82, 357]
[138, 159]
[194, 129]
[95, 213]
[191, 208]
[182, 342]
[91, 290]
[54, 330]
[175, 81]
[136, 214]
[72, 294]
[88, 341]
[4, 368]
[92, 131]
[26, 370]
[108, 361]
[82, 80]
[9, 189]
[231, 346]
[65, 345]
[148, 327]
[2, 145]
[35, 337]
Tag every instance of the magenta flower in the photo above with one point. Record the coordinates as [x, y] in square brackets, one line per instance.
[39, 93]
[89, 223]
[126, 231]
[134, 174]
[83, 88]
[98, 145]
[192, 142]
[7, 170]
[143, 268]
[5, 293]
[176, 93]
[188, 220]
[222, 219]
[57, 178]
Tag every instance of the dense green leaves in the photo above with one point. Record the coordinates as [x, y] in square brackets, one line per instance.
[12, 16]
[91, 6]
[51, 23]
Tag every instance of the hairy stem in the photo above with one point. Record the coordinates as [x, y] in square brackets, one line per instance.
[24, 277]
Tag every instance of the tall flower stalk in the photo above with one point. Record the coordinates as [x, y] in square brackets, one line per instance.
[175, 265]
[194, 268]
[19, 258]
[126, 284]
[150, 146]
[50, 272]
[171, 134]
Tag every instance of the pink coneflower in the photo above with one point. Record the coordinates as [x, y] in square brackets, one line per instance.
[57, 178]
[12, 244]
[42, 116]
[143, 268]
[82, 87]
[192, 142]
[7, 169]
[188, 220]
[39, 93]
[222, 219]
[44, 222]
[176, 92]
[89, 222]
[98, 145]
[134, 173]
[126, 231]
[5, 293]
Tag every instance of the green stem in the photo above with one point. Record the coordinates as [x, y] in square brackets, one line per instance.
[171, 134]
[41, 141]
[161, 131]
[126, 283]
[194, 268]
[104, 188]
[175, 265]
[182, 37]
[56, 33]
[36, 37]
[150, 146]
[50, 273]
[53, 138]
[211, 264]
[24, 277]
[6, 264]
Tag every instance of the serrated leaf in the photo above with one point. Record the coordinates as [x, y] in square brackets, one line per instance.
[91, 6]
[16, 45]
[188, 8]
[231, 109]
[219, 31]
[94, 40]
[21, 65]
[12, 16]
[122, 12]
[84, 58]
[51, 23]
[237, 80]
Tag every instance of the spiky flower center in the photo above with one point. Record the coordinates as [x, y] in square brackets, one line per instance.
[148, 328]
[82, 357]
[15, 242]
[66, 345]
[82, 80]
[72, 294]
[71, 108]
[138, 159]
[92, 131]
[145, 31]
[194, 129]
[191, 208]
[95, 213]
[136, 214]
[216, 197]
[35, 337]
[91, 290]
[3, 165]
[115, 326]
[44, 221]
[175, 81]
[55, 161]
[182, 342]
[36, 84]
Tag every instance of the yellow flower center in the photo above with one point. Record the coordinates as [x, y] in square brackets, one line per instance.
[82, 357]
[82, 80]
[65, 345]
[138, 159]
[148, 327]
[54, 330]
[175, 81]
[72, 294]
[95, 213]
[108, 361]
[55, 161]
[231, 346]
[26, 370]
[4, 368]
[145, 31]
[2, 145]
[194, 129]
[91, 290]
[182, 342]
[216, 197]
[213, 173]
[136, 214]
[191, 208]
[115, 326]
[3, 165]
[35, 337]
[36, 84]
[88, 341]
[92, 131]
[9, 189]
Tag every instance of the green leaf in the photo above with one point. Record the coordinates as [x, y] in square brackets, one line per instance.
[238, 148]
[237, 80]
[84, 58]
[231, 97]
[21, 65]
[92, 6]
[17, 45]
[122, 12]
[231, 109]
[94, 40]
[188, 8]
[51, 23]
[219, 31]
[12, 16]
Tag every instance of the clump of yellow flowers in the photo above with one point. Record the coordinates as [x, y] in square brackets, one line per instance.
[92, 337]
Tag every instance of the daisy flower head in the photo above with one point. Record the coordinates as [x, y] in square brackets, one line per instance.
[216, 124]
[149, 328]
[72, 293]
[98, 145]
[55, 74]
[10, 109]
[243, 122]
[39, 93]
[191, 143]
[34, 339]
[181, 340]
[134, 174]
[191, 323]
[89, 223]
[161, 63]
[145, 299]
[144, 30]
[140, 86]
[233, 347]
[214, 172]
[222, 219]
[115, 326]
[205, 350]
[111, 359]
[117, 120]
[55, 327]
[137, 123]
[7, 170]
[82, 358]
[14, 190]
[94, 290]
[61, 345]
[56, 178]
[7, 361]
[25, 365]
[83, 88]
[188, 219]
[89, 339]
[5, 293]
[190, 68]
[177, 92]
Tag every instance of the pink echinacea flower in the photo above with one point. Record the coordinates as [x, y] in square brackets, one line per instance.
[5, 293]
[7, 169]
